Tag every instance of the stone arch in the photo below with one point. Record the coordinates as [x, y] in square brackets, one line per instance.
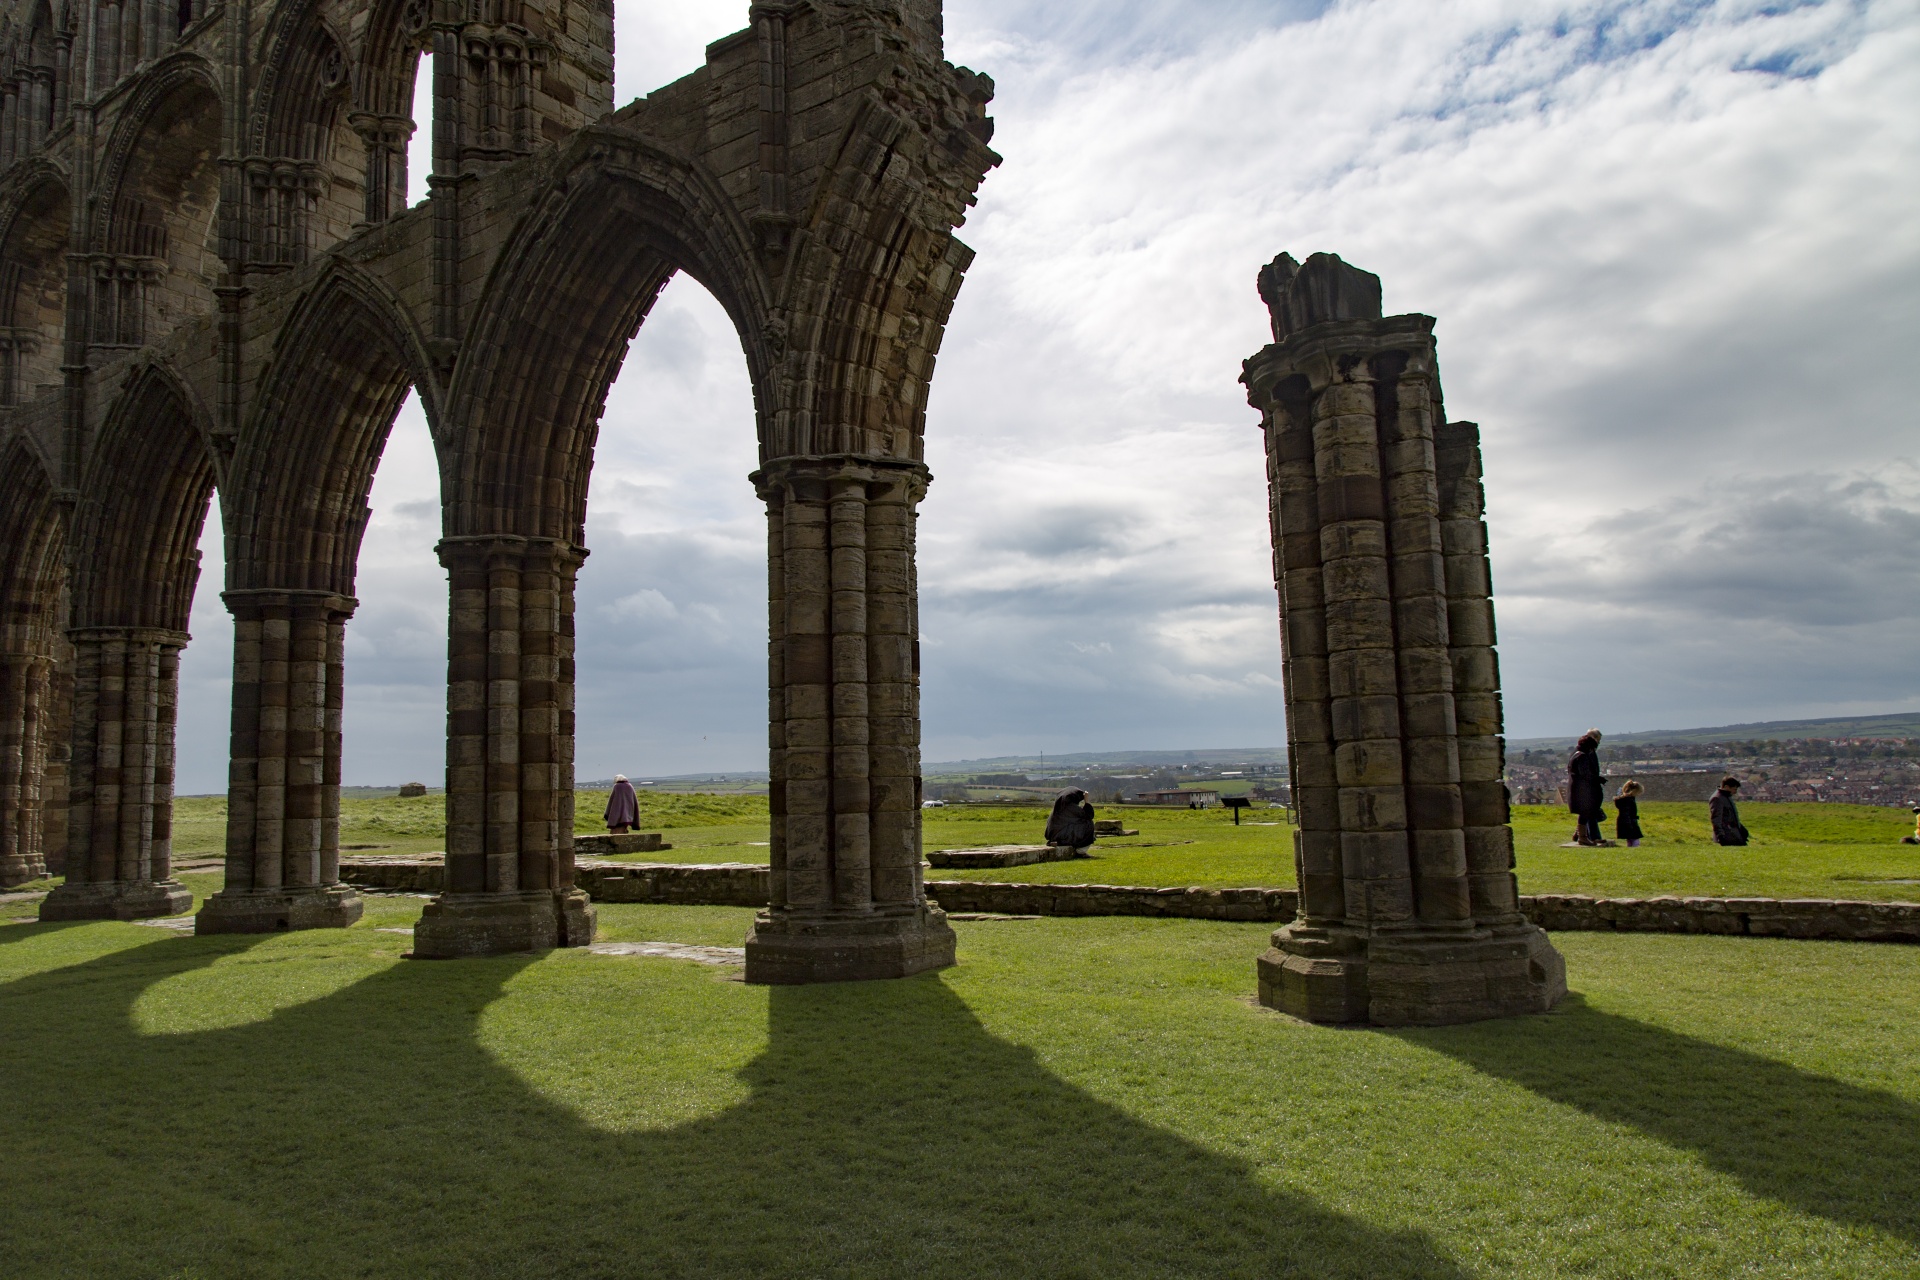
[33, 282]
[28, 99]
[301, 151]
[135, 559]
[299, 484]
[154, 258]
[35, 669]
[397, 33]
[304, 466]
[571, 289]
[565, 300]
[144, 497]
[875, 276]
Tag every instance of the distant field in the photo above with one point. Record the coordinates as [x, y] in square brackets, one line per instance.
[1799, 850]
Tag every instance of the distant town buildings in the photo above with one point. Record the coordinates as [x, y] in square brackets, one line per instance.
[1883, 771]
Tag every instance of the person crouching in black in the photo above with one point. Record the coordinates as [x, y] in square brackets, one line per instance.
[1727, 828]
[1585, 792]
[1070, 825]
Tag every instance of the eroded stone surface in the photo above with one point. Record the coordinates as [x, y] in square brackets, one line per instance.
[1403, 854]
[213, 276]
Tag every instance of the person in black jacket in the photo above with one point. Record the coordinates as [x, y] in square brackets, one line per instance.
[1070, 825]
[1727, 827]
[1585, 788]
[1626, 807]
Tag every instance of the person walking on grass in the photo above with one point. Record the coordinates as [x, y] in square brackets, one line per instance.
[1626, 806]
[1727, 827]
[623, 807]
[1586, 789]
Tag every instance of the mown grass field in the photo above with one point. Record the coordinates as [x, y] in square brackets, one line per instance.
[1799, 850]
[1090, 1098]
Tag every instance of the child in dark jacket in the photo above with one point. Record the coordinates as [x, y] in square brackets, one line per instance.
[1627, 805]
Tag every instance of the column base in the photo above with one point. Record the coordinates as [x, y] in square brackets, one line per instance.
[491, 924]
[1400, 980]
[14, 871]
[116, 900]
[785, 948]
[333, 906]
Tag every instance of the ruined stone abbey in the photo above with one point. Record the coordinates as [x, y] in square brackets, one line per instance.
[211, 279]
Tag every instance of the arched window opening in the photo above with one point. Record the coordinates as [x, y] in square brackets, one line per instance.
[396, 659]
[206, 694]
[671, 654]
[303, 185]
[159, 262]
[33, 295]
[394, 104]
[28, 88]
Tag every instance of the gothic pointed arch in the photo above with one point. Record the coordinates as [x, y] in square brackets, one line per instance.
[397, 33]
[153, 256]
[32, 675]
[134, 561]
[144, 498]
[31, 527]
[35, 220]
[304, 166]
[567, 297]
[876, 271]
[305, 463]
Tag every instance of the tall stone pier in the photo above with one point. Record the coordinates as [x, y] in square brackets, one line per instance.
[1409, 909]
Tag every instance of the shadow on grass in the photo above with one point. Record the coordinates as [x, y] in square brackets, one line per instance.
[37, 929]
[1821, 1146]
[371, 1132]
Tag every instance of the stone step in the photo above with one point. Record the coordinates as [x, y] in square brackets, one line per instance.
[1000, 855]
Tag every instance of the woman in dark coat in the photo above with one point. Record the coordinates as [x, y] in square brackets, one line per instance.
[1071, 822]
[1626, 823]
[623, 807]
[1585, 788]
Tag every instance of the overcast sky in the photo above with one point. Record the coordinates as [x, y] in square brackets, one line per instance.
[1674, 252]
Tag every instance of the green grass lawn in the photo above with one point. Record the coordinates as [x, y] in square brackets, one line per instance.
[1091, 1098]
[1799, 850]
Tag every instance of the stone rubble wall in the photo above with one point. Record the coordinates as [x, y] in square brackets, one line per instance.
[743, 884]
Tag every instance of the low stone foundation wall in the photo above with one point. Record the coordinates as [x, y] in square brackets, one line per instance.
[395, 875]
[706, 884]
[1001, 855]
[1112, 900]
[1746, 917]
[746, 884]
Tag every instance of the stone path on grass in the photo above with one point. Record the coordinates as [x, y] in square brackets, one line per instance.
[672, 951]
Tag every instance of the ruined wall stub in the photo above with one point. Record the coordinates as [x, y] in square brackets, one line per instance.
[1409, 909]
[210, 278]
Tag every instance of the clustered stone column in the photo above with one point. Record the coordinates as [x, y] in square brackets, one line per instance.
[848, 899]
[283, 794]
[510, 724]
[28, 687]
[120, 838]
[1403, 851]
